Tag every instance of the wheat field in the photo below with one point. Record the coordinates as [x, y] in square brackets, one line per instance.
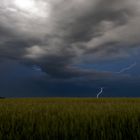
[70, 119]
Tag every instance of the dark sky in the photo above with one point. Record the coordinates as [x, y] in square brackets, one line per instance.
[69, 48]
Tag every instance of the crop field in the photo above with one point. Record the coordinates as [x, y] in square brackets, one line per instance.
[70, 119]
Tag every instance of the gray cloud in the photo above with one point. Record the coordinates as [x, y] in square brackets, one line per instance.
[56, 34]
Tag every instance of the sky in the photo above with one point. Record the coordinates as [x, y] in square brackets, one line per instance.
[69, 48]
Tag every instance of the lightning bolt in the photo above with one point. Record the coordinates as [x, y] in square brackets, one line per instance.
[121, 71]
[101, 91]
[127, 68]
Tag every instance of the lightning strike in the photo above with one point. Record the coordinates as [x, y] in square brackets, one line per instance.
[101, 91]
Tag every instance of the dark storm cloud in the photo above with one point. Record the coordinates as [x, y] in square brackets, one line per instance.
[71, 32]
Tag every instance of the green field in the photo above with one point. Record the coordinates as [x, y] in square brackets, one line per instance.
[70, 119]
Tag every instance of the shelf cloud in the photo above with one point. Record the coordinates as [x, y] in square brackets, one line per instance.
[57, 35]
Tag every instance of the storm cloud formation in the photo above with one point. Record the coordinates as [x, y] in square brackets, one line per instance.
[58, 35]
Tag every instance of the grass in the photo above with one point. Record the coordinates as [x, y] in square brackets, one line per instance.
[70, 119]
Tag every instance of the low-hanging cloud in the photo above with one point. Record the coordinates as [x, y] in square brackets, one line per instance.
[60, 33]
